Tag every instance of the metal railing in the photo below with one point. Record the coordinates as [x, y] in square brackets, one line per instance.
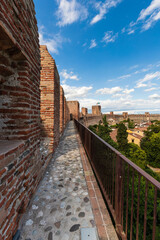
[132, 195]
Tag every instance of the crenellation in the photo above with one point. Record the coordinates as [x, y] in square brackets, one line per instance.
[73, 107]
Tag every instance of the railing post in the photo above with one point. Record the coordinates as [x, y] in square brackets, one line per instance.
[118, 196]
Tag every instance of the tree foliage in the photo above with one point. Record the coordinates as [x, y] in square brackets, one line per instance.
[103, 130]
[137, 155]
[122, 136]
[150, 143]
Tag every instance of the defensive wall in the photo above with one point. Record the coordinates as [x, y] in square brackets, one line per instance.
[93, 118]
[33, 111]
[73, 107]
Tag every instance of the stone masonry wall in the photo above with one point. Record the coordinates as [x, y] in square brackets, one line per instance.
[61, 110]
[50, 99]
[22, 158]
[73, 107]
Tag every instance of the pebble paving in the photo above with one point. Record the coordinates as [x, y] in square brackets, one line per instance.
[61, 204]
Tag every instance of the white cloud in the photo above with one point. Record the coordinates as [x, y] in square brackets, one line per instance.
[140, 85]
[128, 91]
[65, 76]
[124, 104]
[116, 92]
[109, 90]
[109, 37]
[131, 32]
[154, 96]
[103, 8]
[124, 76]
[70, 11]
[134, 66]
[149, 89]
[147, 17]
[93, 44]
[52, 43]
[148, 77]
[73, 93]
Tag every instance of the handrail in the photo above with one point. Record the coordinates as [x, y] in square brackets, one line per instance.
[125, 187]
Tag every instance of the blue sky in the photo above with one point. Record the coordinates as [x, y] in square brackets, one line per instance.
[106, 51]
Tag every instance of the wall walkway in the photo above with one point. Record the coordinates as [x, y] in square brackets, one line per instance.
[64, 202]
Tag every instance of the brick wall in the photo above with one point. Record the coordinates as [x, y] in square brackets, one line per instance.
[61, 110]
[22, 156]
[96, 110]
[73, 107]
[84, 111]
[50, 99]
[66, 113]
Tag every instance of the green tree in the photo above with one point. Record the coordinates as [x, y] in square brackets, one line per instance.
[150, 143]
[103, 131]
[153, 150]
[137, 155]
[131, 124]
[122, 136]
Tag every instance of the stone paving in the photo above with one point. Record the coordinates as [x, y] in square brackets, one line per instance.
[61, 205]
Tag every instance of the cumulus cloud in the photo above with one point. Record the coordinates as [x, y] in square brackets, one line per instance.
[70, 11]
[65, 75]
[103, 8]
[155, 96]
[93, 44]
[124, 104]
[128, 91]
[112, 90]
[148, 78]
[116, 92]
[109, 37]
[52, 43]
[73, 93]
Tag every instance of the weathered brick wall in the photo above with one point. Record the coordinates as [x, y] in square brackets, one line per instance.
[96, 110]
[22, 158]
[84, 111]
[50, 99]
[66, 113]
[61, 126]
[73, 107]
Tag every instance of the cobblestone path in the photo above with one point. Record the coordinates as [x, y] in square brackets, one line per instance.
[61, 205]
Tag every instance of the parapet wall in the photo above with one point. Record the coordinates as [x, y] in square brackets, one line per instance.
[50, 99]
[32, 114]
[91, 119]
[73, 107]
[61, 121]
[66, 113]
[96, 110]
[21, 161]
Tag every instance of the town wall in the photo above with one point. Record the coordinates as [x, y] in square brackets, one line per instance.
[66, 112]
[24, 155]
[96, 110]
[61, 122]
[73, 107]
[84, 111]
[50, 99]
[91, 119]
